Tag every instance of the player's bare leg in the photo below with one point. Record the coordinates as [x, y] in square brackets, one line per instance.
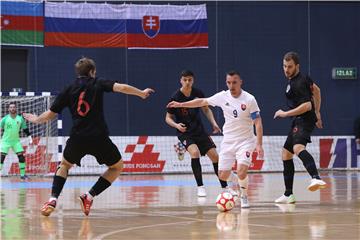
[214, 157]
[229, 176]
[104, 181]
[57, 186]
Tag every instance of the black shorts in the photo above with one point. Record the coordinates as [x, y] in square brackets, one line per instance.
[300, 133]
[203, 142]
[102, 148]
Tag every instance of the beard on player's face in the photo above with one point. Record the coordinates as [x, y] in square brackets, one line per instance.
[290, 69]
[12, 110]
[290, 73]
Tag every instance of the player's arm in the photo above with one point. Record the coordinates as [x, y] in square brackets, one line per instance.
[25, 129]
[198, 102]
[130, 90]
[316, 97]
[210, 116]
[169, 119]
[259, 133]
[302, 108]
[317, 104]
[42, 118]
[2, 126]
[2, 123]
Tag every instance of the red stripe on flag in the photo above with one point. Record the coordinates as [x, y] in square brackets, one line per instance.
[168, 40]
[84, 40]
[94, 40]
[28, 23]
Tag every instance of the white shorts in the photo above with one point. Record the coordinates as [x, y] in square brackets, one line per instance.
[240, 150]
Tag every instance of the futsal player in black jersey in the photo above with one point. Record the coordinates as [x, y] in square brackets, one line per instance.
[89, 133]
[191, 132]
[304, 101]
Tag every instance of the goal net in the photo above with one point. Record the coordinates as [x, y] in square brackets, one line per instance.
[154, 154]
[41, 156]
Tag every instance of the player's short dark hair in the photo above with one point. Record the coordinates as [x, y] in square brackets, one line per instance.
[12, 103]
[233, 73]
[187, 73]
[292, 56]
[84, 65]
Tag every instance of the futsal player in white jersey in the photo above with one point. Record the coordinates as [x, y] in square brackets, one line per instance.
[241, 113]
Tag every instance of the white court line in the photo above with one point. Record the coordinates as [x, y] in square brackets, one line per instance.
[100, 237]
[193, 220]
[139, 227]
[327, 225]
[299, 213]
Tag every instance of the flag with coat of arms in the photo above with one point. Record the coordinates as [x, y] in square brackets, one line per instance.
[125, 25]
[167, 26]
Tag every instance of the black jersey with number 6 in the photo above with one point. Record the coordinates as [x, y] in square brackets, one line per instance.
[84, 98]
[189, 116]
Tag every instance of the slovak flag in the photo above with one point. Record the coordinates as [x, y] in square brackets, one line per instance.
[166, 26]
[99, 25]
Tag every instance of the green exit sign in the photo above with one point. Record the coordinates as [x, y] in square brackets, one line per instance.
[344, 73]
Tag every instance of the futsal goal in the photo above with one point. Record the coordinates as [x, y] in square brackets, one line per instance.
[43, 155]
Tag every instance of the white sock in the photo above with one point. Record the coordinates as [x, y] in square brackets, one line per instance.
[89, 196]
[52, 198]
[244, 185]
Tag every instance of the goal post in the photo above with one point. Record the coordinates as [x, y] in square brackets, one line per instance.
[43, 156]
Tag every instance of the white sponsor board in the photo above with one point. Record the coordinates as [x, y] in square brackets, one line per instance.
[157, 154]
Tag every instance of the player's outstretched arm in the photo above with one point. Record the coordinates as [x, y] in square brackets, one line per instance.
[198, 102]
[127, 89]
[302, 108]
[42, 118]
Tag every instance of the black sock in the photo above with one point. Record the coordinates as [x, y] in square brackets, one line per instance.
[196, 168]
[289, 171]
[2, 158]
[309, 163]
[216, 170]
[99, 186]
[58, 184]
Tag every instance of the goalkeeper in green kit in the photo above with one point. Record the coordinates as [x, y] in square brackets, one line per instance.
[11, 125]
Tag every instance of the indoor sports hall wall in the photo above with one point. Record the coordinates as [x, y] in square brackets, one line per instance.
[248, 36]
[154, 154]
